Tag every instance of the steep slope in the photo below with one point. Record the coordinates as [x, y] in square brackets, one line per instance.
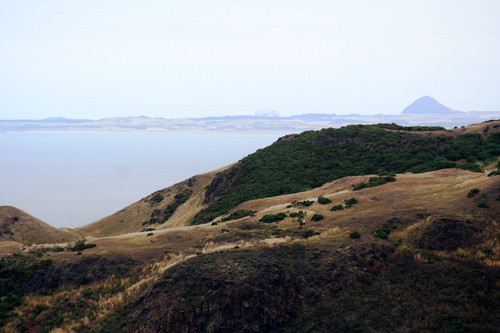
[19, 226]
[171, 207]
[299, 162]
[428, 105]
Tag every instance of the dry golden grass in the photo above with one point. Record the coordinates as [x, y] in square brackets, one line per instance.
[131, 218]
[19, 226]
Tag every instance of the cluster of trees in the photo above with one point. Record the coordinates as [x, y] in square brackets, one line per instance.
[314, 158]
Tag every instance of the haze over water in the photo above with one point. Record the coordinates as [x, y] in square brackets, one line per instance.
[72, 179]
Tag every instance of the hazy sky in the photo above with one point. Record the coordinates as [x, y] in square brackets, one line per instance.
[102, 58]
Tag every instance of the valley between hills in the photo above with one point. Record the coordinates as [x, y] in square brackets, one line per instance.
[401, 234]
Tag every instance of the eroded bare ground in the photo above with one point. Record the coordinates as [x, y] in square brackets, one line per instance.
[191, 278]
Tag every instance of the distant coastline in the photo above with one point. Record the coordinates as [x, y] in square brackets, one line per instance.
[239, 125]
[425, 111]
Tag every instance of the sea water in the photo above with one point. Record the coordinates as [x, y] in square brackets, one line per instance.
[72, 179]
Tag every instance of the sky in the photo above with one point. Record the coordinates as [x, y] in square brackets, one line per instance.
[99, 58]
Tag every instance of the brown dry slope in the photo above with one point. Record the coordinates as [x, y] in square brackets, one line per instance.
[18, 226]
[150, 211]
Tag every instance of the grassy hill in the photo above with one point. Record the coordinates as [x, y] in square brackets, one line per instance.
[19, 226]
[171, 207]
[413, 252]
[308, 160]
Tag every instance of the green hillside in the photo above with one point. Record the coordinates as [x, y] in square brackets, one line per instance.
[308, 160]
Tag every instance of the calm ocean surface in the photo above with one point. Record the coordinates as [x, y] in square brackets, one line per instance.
[72, 179]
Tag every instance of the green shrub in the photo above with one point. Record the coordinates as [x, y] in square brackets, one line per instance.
[57, 249]
[337, 207]
[483, 205]
[305, 203]
[349, 202]
[317, 217]
[80, 246]
[473, 192]
[224, 230]
[214, 223]
[324, 201]
[157, 199]
[272, 218]
[149, 234]
[309, 233]
[382, 233]
[300, 214]
[355, 235]
[239, 214]
[469, 166]
[374, 181]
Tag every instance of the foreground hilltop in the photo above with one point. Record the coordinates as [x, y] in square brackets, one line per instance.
[22, 228]
[401, 234]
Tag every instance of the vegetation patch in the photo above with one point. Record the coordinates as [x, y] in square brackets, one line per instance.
[239, 214]
[350, 202]
[81, 245]
[157, 198]
[374, 181]
[355, 235]
[309, 233]
[382, 233]
[300, 214]
[317, 217]
[162, 215]
[324, 201]
[270, 218]
[336, 208]
[473, 192]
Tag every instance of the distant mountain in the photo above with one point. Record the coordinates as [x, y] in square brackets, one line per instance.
[428, 105]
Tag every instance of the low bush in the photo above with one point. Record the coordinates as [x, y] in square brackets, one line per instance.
[337, 207]
[324, 201]
[382, 233]
[80, 246]
[272, 218]
[305, 203]
[473, 192]
[349, 202]
[317, 217]
[355, 235]
[300, 214]
[157, 199]
[374, 181]
[309, 233]
[240, 213]
[483, 205]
